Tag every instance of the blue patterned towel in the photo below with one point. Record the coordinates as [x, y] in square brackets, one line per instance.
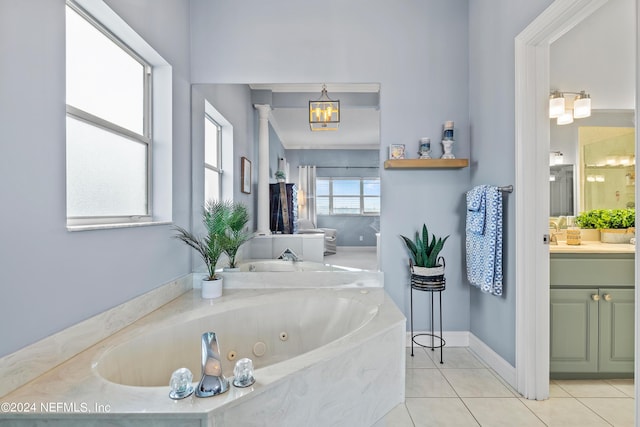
[484, 250]
[476, 206]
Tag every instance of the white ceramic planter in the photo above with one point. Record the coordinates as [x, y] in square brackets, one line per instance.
[428, 271]
[211, 288]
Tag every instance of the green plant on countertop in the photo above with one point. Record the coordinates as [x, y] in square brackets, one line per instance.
[210, 246]
[422, 251]
[607, 218]
[280, 175]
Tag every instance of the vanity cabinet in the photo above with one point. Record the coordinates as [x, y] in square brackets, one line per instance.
[592, 315]
[592, 330]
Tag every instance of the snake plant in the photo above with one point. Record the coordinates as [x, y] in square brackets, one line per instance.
[423, 251]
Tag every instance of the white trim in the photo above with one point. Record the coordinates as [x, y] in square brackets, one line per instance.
[105, 226]
[493, 359]
[452, 338]
[532, 190]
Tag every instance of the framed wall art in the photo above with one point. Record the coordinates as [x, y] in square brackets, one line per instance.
[396, 151]
[245, 174]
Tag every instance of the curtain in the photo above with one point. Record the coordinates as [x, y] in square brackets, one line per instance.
[307, 193]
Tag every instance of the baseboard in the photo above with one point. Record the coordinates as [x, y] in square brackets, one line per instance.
[493, 359]
[22, 366]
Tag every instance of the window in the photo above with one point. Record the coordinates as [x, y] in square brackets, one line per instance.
[348, 196]
[108, 143]
[212, 158]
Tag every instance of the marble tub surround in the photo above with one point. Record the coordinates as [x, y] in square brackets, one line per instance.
[294, 392]
[24, 365]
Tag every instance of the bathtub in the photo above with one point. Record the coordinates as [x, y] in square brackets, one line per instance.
[333, 356]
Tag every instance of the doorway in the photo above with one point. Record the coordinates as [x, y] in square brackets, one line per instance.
[532, 198]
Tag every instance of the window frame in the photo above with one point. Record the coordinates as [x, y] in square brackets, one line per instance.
[361, 196]
[214, 168]
[146, 138]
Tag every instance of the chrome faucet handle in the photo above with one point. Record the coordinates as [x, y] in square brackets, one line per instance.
[213, 381]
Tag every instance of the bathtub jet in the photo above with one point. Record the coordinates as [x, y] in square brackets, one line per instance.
[212, 381]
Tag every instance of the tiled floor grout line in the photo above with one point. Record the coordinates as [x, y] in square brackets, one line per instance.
[599, 416]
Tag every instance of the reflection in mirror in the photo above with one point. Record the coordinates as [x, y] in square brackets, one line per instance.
[350, 153]
[561, 190]
[607, 159]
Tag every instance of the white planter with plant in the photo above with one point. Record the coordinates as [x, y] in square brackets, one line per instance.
[210, 246]
[615, 225]
[280, 176]
[424, 254]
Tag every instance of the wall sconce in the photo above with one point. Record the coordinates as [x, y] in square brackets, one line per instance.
[580, 106]
[324, 114]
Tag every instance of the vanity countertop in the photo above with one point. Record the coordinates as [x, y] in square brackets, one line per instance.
[592, 247]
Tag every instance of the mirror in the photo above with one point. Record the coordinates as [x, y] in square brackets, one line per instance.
[602, 150]
[353, 151]
[561, 190]
[607, 159]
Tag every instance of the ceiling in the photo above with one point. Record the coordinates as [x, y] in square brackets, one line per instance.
[359, 116]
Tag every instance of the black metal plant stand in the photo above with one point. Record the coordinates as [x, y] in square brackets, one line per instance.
[428, 284]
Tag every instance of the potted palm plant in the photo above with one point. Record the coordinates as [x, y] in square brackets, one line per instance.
[210, 246]
[424, 253]
[280, 176]
[236, 234]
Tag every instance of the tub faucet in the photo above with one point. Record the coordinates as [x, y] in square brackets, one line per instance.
[289, 255]
[212, 382]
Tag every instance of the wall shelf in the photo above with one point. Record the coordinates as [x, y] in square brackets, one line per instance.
[426, 163]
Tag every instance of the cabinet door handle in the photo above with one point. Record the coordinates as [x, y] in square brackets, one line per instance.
[595, 297]
[607, 297]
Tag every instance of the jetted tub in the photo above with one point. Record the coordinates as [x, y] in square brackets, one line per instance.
[267, 330]
[332, 356]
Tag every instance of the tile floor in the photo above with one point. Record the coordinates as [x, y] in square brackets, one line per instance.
[363, 257]
[465, 392]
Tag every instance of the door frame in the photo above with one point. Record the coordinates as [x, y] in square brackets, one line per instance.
[532, 69]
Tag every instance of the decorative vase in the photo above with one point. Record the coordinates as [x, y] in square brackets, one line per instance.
[211, 288]
[425, 148]
[447, 146]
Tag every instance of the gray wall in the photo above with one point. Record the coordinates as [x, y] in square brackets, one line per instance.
[493, 26]
[50, 278]
[342, 163]
[417, 51]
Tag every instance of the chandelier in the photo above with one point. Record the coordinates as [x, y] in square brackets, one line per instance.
[324, 113]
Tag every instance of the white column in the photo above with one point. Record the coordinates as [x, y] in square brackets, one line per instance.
[263, 168]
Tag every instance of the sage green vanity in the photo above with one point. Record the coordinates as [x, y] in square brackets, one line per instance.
[592, 310]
